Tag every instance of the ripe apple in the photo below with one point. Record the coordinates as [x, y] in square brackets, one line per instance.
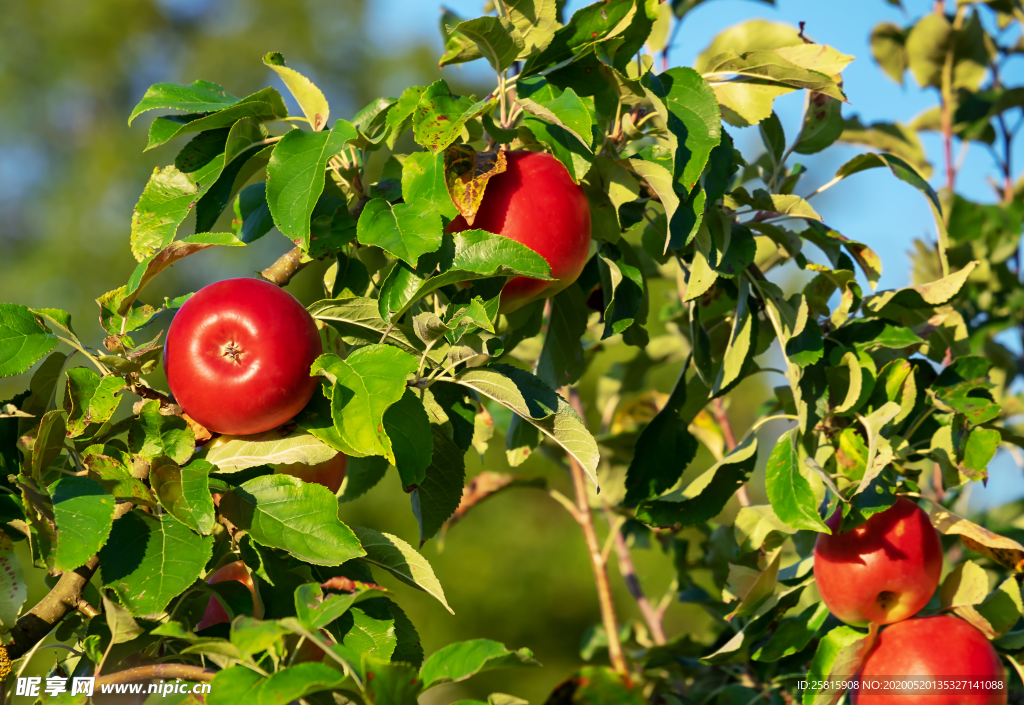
[883, 571]
[535, 202]
[940, 647]
[215, 613]
[329, 474]
[238, 355]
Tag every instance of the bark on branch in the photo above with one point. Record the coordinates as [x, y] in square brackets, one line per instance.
[158, 671]
[65, 597]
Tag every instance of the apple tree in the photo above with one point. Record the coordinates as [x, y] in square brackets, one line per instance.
[541, 254]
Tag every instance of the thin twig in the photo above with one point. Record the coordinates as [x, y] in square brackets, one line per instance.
[586, 522]
[718, 409]
[650, 614]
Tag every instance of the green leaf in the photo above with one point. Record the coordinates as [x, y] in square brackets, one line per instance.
[478, 254]
[263, 105]
[497, 39]
[399, 117]
[281, 511]
[84, 513]
[407, 425]
[351, 278]
[781, 66]
[440, 116]
[240, 164]
[622, 278]
[185, 492]
[154, 434]
[165, 202]
[151, 266]
[372, 124]
[751, 35]
[904, 172]
[309, 97]
[24, 340]
[122, 627]
[783, 204]
[252, 210]
[408, 649]
[705, 497]
[773, 137]
[439, 493]
[361, 474]
[573, 154]
[90, 399]
[252, 636]
[538, 404]
[561, 357]
[49, 442]
[892, 138]
[589, 25]
[404, 230]
[837, 658]
[536, 20]
[234, 453]
[742, 339]
[662, 451]
[557, 106]
[793, 634]
[823, 124]
[423, 180]
[689, 107]
[238, 684]
[458, 48]
[889, 48]
[150, 560]
[197, 97]
[369, 381]
[459, 661]
[117, 479]
[659, 179]
[296, 177]
[12, 583]
[359, 318]
[978, 452]
[789, 492]
[401, 560]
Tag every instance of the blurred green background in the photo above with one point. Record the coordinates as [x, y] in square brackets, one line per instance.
[71, 171]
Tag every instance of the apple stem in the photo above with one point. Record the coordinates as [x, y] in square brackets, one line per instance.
[585, 519]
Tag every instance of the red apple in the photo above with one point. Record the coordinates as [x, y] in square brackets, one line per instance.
[883, 571]
[535, 202]
[215, 613]
[941, 647]
[238, 355]
[329, 474]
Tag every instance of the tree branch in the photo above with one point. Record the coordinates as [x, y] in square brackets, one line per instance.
[651, 616]
[157, 671]
[287, 266]
[586, 522]
[290, 263]
[65, 597]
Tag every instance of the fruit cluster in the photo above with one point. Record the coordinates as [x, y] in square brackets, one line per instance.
[238, 353]
[884, 572]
